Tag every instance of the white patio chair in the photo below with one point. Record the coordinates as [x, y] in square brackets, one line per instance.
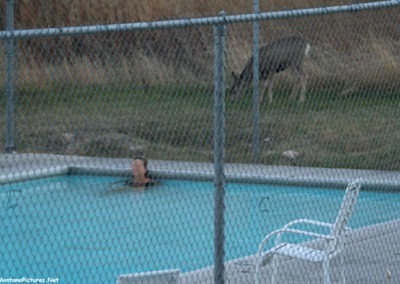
[332, 243]
[151, 277]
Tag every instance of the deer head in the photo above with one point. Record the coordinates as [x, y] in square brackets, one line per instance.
[285, 54]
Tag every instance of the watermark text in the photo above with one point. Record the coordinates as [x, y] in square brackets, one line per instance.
[29, 280]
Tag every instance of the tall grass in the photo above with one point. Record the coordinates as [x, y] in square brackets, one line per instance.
[348, 50]
[45, 13]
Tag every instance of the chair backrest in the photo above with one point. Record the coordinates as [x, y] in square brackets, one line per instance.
[152, 277]
[346, 209]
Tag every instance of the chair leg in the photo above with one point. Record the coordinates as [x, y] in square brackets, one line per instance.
[342, 269]
[325, 266]
[257, 273]
[274, 268]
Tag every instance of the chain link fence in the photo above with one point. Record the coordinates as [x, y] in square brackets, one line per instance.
[81, 103]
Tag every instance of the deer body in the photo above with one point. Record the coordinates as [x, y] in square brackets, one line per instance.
[285, 54]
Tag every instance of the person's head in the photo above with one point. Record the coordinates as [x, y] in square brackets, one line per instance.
[139, 169]
[144, 160]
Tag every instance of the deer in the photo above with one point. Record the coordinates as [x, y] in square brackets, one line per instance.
[287, 53]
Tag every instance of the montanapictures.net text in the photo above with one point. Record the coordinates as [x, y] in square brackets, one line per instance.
[29, 280]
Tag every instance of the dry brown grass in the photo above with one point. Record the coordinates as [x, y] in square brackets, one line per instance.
[45, 13]
[349, 50]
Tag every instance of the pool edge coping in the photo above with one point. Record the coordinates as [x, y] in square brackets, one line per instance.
[49, 165]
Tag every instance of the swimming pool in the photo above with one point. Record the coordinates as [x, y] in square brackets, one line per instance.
[90, 229]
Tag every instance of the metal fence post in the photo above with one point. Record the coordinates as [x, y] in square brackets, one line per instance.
[256, 85]
[9, 147]
[219, 151]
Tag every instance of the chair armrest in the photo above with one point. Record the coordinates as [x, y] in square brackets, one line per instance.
[308, 233]
[287, 229]
[293, 231]
[308, 221]
[312, 222]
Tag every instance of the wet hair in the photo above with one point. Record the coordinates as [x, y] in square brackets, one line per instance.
[143, 159]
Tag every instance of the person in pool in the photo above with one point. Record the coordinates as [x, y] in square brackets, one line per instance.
[140, 174]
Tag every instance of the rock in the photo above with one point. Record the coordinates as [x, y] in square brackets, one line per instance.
[68, 137]
[291, 154]
[267, 140]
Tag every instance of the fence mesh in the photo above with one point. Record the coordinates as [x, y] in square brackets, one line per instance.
[86, 106]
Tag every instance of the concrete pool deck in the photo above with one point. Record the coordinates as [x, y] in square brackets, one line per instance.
[372, 254]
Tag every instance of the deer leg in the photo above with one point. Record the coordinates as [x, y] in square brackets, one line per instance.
[303, 83]
[262, 91]
[295, 88]
[270, 89]
[268, 83]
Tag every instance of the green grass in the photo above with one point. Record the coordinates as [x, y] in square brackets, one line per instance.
[177, 123]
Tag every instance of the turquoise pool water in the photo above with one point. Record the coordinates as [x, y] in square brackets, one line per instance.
[90, 229]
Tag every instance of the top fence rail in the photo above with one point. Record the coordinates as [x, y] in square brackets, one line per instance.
[222, 19]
